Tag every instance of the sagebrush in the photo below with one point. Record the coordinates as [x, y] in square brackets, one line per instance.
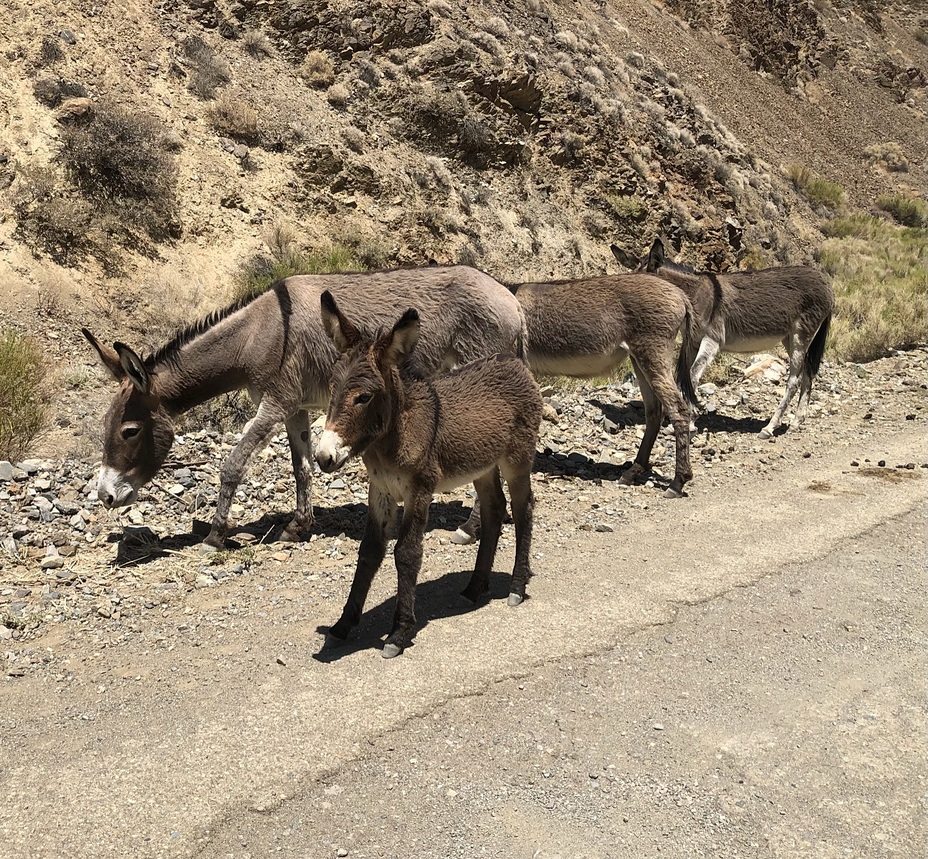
[23, 394]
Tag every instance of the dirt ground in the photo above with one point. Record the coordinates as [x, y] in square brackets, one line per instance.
[738, 673]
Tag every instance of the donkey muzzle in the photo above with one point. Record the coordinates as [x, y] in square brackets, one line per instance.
[331, 452]
[113, 489]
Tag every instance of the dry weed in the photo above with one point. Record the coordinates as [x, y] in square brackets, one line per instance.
[318, 70]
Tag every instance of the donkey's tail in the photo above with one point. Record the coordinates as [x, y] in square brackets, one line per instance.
[687, 355]
[817, 348]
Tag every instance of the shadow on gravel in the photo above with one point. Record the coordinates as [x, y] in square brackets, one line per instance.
[435, 600]
[720, 423]
[140, 545]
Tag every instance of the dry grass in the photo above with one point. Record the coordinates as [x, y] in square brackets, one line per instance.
[206, 72]
[234, 117]
[318, 70]
[23, 396]
[908, 211]
[879, 272]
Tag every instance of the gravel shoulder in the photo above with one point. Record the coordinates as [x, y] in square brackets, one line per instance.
[190, 714]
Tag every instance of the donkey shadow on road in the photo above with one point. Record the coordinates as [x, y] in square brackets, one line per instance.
[436, 599]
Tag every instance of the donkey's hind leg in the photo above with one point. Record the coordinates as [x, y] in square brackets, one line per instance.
[523, 509]
[301, 454]
[493, 509]
[669, 399]
[796, 369]
[653, 415]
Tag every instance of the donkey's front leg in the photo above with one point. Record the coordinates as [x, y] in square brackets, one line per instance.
[408, 558]
[301, 452]
[255, 437]
[381, 514]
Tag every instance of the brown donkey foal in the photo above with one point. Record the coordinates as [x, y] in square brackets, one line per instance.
[418, 436]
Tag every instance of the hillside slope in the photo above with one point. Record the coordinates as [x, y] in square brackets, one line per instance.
[521, 137]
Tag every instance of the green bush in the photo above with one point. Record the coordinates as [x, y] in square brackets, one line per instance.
[819, 192]
[908, 211]
[881, 294]
[23, 402]
[259, 272]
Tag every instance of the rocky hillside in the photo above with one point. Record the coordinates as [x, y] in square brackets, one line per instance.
[148, 149]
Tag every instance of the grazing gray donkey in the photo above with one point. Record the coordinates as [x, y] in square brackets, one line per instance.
[749, 311]
[274, 346]
[418, 436]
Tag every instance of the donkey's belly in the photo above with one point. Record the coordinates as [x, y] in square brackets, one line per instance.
[583, 366]
[752, 344]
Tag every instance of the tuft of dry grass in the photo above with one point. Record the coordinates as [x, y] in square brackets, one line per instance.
[318, 70]
[908, 211]
[881, 286]
[337, 95]
[234, 117]
[257, 44]
[206, 71]
[23, 396]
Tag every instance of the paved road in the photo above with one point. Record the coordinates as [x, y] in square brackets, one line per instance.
[741, 676]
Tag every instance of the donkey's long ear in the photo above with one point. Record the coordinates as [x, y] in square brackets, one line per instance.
[656, 255]
[108, 356]
[341, 332]
[134, 368]
[624, 259]
[400, 342]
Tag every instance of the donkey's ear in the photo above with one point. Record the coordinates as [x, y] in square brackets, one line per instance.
[656, 255]
[624, 259]
[341, 332]
[134, 368]
[108, 356]
[400, 342]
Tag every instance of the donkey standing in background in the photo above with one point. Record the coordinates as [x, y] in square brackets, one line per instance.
[751, 311]
[419, 436]
[587, 328]
[274, 345]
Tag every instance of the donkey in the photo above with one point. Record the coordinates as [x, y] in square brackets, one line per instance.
[586, 328]
[274, 345]
[751, 311]
[419, 436]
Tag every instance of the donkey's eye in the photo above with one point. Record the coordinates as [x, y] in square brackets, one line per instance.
[362, 399]
[130, 431]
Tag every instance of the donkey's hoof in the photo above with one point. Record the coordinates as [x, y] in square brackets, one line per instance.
[333, 641]
[390, 650]
[462, 538]
[670, 492]
[294, 534]
[474, 596]
[214, 541]
[515, 599]
[765, 433]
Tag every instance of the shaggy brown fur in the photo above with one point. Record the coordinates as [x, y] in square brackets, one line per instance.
[274, 345]
[418, 436]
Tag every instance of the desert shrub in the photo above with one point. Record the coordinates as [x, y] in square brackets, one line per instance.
[889, 155]
[908, 211]
[318, 70]
[369, 73]
[337, 95]
[629, 207]
[52, 91]
[234, 117]
[819, 192]
[878, 270]
[207, 72]
[225, 413]
[260, 271]
[23, 396]
[50, 51]
[257, 44]
[355, 139]
[118, 162]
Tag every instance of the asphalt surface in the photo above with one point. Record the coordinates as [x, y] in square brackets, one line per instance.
[744, 675]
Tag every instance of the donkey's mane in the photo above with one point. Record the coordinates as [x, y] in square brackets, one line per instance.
[169, 351]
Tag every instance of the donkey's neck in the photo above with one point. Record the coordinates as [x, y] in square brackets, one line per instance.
[206, 366]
